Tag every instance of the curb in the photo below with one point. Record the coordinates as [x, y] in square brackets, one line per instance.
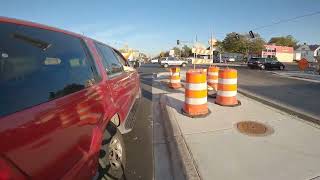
[297, 77]
[189, 165]
[308, 117]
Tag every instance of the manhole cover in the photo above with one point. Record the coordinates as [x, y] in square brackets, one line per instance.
[253, 128]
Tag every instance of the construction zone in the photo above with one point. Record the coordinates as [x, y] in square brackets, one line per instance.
[210, 130]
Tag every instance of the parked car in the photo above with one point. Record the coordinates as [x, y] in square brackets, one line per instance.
[154, 61]
[231, 59]
[65, 101]
[189, 60]
[265, 63]
[173, 61]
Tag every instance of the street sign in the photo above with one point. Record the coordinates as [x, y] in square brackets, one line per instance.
[303, 64]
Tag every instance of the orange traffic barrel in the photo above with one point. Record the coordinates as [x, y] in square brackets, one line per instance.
[213, 73]
[196, 94]
[227, 88]
[175, 82]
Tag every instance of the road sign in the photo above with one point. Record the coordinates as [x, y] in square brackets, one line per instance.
[202, 61]
[201, 51]
[303, 64]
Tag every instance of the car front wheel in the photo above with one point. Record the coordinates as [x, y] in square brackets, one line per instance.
[112, 158]
[281, 68]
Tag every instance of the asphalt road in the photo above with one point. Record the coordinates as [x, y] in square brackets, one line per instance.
[299, 94]
[139, 141]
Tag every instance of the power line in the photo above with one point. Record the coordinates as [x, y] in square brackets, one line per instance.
[287, 20]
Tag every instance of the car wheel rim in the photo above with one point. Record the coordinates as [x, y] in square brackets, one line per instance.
[115, 154]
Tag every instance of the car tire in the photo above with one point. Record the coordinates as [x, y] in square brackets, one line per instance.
[166, 65]
[183, 65]
[112, 157]
[262, 67]
[281, 68]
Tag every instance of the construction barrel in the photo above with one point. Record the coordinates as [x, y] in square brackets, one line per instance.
[227, 88]
[175, 81]
[196, 93]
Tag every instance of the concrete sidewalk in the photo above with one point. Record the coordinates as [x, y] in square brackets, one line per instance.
[220, 151]
[290, 150]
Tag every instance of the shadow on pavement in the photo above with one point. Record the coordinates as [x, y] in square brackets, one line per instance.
[175, 103]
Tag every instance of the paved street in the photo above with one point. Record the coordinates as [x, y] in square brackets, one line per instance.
[139, 141]
[299, 94]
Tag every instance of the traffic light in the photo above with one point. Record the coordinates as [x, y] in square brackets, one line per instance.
[178, 42]
[251, 34]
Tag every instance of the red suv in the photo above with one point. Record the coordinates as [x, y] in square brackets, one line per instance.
[65, 100]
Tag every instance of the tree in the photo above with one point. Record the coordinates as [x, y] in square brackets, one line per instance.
[177, 51]
[164, 54]
[242, 43]
[186, 51]
[233, 44]
[255, 45]
[284, 41]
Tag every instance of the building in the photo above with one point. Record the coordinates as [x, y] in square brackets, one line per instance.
[309, 52]
[282, 53]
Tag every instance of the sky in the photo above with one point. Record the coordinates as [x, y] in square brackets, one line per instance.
[153, 26]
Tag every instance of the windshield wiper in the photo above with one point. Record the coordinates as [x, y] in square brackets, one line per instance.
[35, 42]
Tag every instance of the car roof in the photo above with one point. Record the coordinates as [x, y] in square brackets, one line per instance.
[41, 26]
[37, 25]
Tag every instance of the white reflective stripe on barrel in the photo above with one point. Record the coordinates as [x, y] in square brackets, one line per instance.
[175, 74]
[227, 81]
[195, 101]
[196, 87]
[175, 80]
[227, 93]
[213, 73]
[212, 80]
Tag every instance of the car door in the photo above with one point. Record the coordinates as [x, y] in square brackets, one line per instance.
[171, 61]
[273, 63]
[132, 73]
[119, 81]
[268, 63]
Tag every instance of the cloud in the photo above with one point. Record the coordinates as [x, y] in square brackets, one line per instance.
[102, 31]
[117, 36]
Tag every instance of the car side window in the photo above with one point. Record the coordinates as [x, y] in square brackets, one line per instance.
[120, 57]
[262, 60]
[109, 60]
[38, 65]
